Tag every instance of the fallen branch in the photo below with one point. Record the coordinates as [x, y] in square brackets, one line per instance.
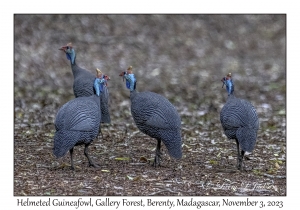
[277, 177]
[137, 163]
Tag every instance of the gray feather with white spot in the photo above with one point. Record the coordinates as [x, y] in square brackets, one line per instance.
[77, 122]
[84, 83]
[155, 116]
[239, 121]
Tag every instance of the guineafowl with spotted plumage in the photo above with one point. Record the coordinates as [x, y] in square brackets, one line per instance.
[239, 121]
[84, 83]
[78, 122]
[155, 116]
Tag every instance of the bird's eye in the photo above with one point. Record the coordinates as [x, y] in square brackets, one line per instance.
[67, 47]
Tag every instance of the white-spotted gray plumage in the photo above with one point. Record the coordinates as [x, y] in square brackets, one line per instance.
[83, 84]
[156, 117]
[77, 122]
[239, 120]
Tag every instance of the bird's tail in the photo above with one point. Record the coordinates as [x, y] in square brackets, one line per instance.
[172, 141]
[64, 141]
[246, 138]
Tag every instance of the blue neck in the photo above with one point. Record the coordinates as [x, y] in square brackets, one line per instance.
[98, 85]
[71, 55]
[229, 86]
[130, 81]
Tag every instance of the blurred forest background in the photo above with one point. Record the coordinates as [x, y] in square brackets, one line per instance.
[182, 57]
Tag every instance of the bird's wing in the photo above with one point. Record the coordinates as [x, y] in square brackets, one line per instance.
[157, 120]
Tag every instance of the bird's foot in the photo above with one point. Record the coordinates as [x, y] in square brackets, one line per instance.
[157, 159]
[240, 164]
[156, 162]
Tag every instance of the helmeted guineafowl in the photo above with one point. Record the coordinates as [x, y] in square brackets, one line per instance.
[78, 122]
[155, 116]
[239, 121]
[104, 96]
[84, 83]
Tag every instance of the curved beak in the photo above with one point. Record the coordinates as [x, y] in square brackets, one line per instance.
[223, 80]
[63, 48]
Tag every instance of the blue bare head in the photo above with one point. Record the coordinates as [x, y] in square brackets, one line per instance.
[227, 81]
[130, 79]
[100, 81]
[70, 52]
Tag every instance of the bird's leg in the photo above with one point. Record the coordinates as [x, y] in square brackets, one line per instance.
[157, 154]
[239, 157]
[71, 154]
[88, 157]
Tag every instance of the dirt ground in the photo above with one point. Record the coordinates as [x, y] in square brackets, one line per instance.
[182, 57]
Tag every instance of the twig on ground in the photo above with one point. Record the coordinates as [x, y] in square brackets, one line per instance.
[277, 177]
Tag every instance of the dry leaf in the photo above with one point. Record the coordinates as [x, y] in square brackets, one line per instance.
[122, 158]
